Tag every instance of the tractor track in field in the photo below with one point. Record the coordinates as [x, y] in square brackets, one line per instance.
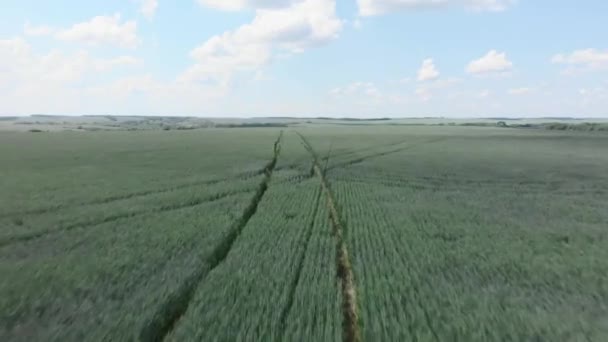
[38, 234]
[114, 198]
[385, 153]
[136, 194]
[302, 257]
[172, 310]
[350, 317]
[365, 149]
[9, 240]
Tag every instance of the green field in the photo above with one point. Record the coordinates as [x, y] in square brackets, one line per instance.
[308, 232]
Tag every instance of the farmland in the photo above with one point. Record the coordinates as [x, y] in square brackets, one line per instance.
[304, 233]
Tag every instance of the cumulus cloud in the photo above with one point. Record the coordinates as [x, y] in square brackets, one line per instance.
[492, 63]
[21, 65]
[99, 30]
[68, 83]
[279, 29]
[56, 80]
[292, 29]
[377, 7]
[427, 71]
[237, 5]
[42, 30]
[148, 8]
[103, 30]
[582, 60]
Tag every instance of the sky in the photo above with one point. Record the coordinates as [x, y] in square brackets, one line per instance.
[347, 58]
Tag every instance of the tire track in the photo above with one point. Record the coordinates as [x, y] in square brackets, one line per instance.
[114, 198]
[350, 325]
[381, 154]
[172, 310]
[296, 179]
[365, 149]
[240, 176]
[38, 234]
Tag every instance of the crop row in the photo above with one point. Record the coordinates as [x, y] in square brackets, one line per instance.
[261, 290]
[103, 282]
[36, 226]
[64, 170]
[446, 270]
[121, 279]
[175, 306]
[100, 197]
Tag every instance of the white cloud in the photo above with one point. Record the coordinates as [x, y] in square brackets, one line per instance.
[70, 84]
[116, 62]
[427, 71]
[55, 79]
[492, 63]
[237, 5]
[273, 33]
[224, 5]
[520, 91]
[582, 60]
[148, 8]
[41, 30]
[293, 29]
[100, 30]
[377, 7]
[21, 67]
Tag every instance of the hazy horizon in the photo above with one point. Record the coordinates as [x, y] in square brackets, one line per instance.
[336, 117]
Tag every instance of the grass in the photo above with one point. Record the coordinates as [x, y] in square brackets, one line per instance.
[449, 233]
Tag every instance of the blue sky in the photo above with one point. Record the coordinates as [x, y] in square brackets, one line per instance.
[359, 58]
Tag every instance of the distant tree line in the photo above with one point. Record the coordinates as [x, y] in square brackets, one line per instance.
[560, 126]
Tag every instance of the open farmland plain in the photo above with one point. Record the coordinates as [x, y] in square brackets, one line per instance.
[318, 233]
